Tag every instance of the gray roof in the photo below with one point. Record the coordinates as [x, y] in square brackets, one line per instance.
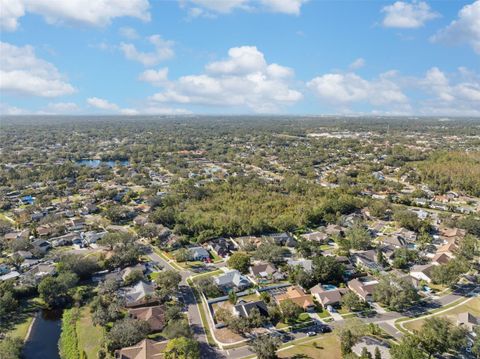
[232, 277]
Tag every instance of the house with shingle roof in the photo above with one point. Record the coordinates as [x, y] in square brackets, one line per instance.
[154, 316]
[232, 280]
[146, 349]
[243, 308]
[363, 287]
[297, 295]
[327, 297]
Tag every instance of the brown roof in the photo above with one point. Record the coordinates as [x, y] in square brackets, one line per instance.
[154, 316]
[327, 297]
[441, 258]
[362, 288]
[146, 349]
[452, 232]
[296, 295]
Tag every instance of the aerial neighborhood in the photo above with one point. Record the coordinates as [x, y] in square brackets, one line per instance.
[145, 243]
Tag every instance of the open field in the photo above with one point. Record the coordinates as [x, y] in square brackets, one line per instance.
[325, 347]
[90, 337]
[472, 306]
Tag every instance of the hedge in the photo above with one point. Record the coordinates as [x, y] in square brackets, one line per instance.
[68, 343]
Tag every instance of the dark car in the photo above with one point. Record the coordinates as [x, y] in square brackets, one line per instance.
[324, 329]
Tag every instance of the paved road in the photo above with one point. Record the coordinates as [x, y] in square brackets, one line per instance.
[384, 320]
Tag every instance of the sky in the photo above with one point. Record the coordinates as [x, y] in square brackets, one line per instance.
[306, 57]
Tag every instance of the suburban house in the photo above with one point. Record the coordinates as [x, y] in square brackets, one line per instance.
[232, 280]
[441, 258]
[146, 349]
[395, 241]
[199, 253]
[297, 295]
[243, 308]
[140, 220]
[306, 264]
[41, 245]
[467, 320]
[17, 235]
[422, 272]
[366, 259]
[221, 246]
[320, 237]
[39, 271]
[154, 316]
[327, 296]
[363, 287]
[283, 239]
[76, 224]
[142, 293]
[265, 271]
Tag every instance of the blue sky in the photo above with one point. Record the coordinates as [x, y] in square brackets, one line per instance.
[240, 56]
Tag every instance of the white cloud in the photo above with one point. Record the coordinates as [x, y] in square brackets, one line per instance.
[129, 33]
[357, 64]
[6, 109]
[148, 109]
[21, 72]
[209, 8]
[221, 6]
[162, 51]
[348, 88]
[102, 104]
[466, 29]
[91, 12]
[155, 77]
[408, 15]
[10, 11]
[291, 7]
[243, 80]
[460, 90]
[63, 107]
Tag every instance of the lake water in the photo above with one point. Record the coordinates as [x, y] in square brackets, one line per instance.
[97, 163]
[43, 340]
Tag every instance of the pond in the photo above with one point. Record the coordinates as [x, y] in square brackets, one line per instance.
[97, 163]
[42, 343]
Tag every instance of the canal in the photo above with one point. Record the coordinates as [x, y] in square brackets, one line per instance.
[42, 343]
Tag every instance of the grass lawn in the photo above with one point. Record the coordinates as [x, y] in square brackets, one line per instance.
[473, 306]
[197, 277]
[18, 326]
[89, 336]
[20, 330]
[325, 347]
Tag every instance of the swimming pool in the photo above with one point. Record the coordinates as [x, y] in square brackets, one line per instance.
[329, 287]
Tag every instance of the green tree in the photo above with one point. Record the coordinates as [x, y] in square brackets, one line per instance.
[352, 301]
[395, 292]
[239, 261]
[270, 253]
[377, 354]
[55, 291]
[365, 354]
[476, 342]
[177, 328]
[358, 237]
[265, 346]
[325, 269]
[11, 348]
[182, 348]
[127, 332]
[408, 348]
[290, 310]
[167, 282]
[439, 335]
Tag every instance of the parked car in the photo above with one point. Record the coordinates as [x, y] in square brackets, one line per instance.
[311, 334]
